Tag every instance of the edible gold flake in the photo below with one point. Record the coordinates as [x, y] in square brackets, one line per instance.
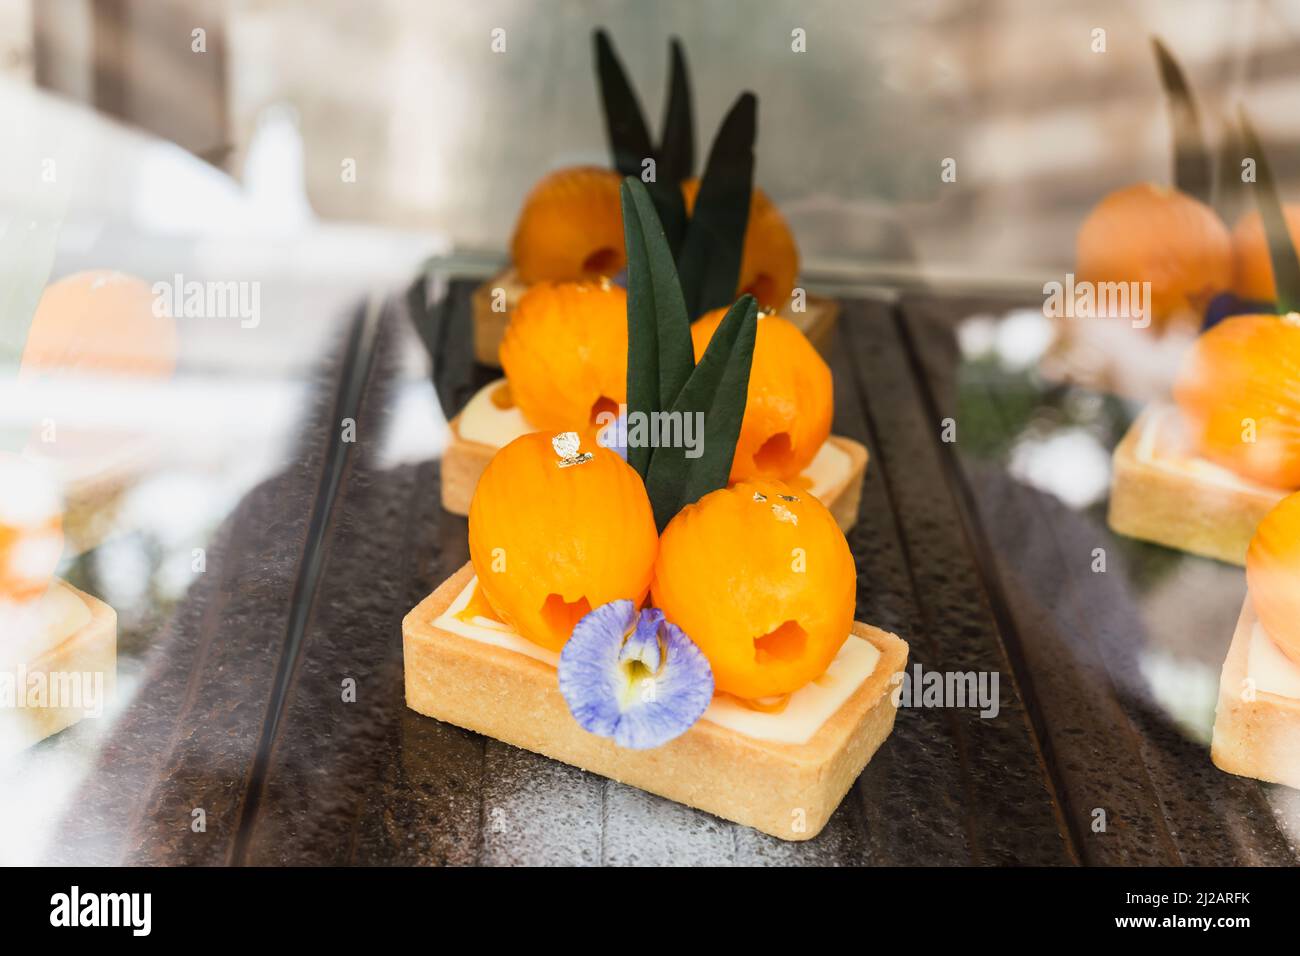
[759, 496]
[566, 445]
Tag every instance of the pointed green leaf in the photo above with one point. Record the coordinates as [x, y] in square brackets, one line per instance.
[717, 391]
[1281, 250]
[1193, 170]
[677, 144]
[625, 125]
[670, 207]
[709, 263]
[1229, 191]
[660, 356]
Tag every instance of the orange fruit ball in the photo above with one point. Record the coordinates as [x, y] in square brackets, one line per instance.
[101, 323]
[31, 530]
[571, 227]
[564, 353]
[760, 577]
[1252, 267]
[550, 542]
[1150, 233]
[1239, 391]
[789, 402]
[1273, 575]
[769, 263]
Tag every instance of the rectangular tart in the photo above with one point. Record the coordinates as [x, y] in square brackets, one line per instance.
[785, 781]
[834, 477]
[76, 647]
[816, 321]
[1162, 492]
[1257, 720]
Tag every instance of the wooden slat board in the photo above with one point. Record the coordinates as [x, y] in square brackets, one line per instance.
[372, 782]
[1088, 643]
[274, 699]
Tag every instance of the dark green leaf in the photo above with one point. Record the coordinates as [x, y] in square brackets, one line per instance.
[717, 389]
[660, 356]
[670, 206]
[677, 144]
[1281, 250]
[715, 236]
[625, 125]
[1193, 169]
[1229, 191]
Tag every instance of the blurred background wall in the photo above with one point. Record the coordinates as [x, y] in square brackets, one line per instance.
[447, 135]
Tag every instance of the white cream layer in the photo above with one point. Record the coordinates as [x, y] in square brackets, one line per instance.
[808, 708]
[1166, 417]
[483, 421]
[29, 629]
[1268, 668]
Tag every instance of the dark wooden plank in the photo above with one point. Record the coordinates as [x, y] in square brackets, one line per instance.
[367, 781]
[1006, 801]
[1091, 648]
[187, 739]
[372, 782]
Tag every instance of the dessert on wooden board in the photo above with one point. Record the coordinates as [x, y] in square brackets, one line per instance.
[1257, 720]
[58, 646]
[1198, 475]
[570, 226]
[650, 619]
[1156, 263]
[565, 358]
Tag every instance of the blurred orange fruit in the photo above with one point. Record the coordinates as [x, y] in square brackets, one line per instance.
[1273, 575]
[565, 353]
[550, 543]
[100, 323]
[31, 530]
[760, 577]
[571, 227]
[1252, 268]
[1150, 233]
[788, 405]
[769, 264]
[1239, 391]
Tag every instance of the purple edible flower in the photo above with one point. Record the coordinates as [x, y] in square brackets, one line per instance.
[635, 678]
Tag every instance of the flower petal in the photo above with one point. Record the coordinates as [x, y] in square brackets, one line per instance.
[635, 678]
[642, 644]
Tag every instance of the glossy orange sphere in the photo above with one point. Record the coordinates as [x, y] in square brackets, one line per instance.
[1273, 575]
[550, 543]
[571, 227]
[1239, 392]
[760, 577]
[565, 353]
[789, 402]
[1150, 233]
[769, 263]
